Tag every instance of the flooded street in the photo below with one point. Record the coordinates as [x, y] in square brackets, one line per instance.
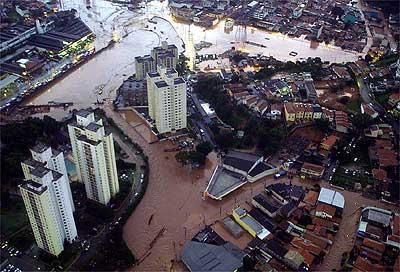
[174, 201]
[108, 69]
[173, 208]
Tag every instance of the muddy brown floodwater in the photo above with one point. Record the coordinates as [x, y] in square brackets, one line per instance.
[175, 203]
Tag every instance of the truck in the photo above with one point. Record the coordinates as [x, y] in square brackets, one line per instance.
[280, 174]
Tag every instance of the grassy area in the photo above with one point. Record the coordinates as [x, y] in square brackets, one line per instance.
[13, 217]
[354, 106]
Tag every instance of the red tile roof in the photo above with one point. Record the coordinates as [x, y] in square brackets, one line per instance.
[365, 265]
[385, 144]
[319, 241]
[325, 208]
[395, 96]
[307, 245]
[375, 245]
[379, 174]
[311, 197]
[329, 142]
[313, 167]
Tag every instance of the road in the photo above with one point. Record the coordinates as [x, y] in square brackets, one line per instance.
[367, 97]
[174, 200]
[96, 240]
[205, 119]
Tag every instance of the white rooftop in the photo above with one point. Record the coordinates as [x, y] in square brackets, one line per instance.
[331, 197]
[207, 109]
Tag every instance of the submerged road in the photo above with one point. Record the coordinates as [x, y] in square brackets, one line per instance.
[174, 201]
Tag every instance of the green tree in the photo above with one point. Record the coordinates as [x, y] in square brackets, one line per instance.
[361, 121]
[204, 148]
[197, 158]
[181, 66]
[323, 125]
[182, 157]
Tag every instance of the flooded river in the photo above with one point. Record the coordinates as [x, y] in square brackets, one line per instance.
[108, 69]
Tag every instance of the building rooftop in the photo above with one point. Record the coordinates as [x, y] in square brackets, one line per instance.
[40, 171]
[232, 227]
[83, 138]
[331, 197]
[39, 148]
[161, 84]
[144, 58]
[34, 187]
[379, 217]
[178, 80]
[270, 206]
[286, 191]
[32, 163]
[11, 32]
[68, 29]
[259, 168]
[275, 247]
[325, 208]
[251, 223]
[83, 113]
[206, 257]
[153, 74]
[169, 46]
[263, 219]
[56, 175]
[93, 127]
[55, 152]
[313, 167]
[209, 236]
[241, 160]
[223, 182]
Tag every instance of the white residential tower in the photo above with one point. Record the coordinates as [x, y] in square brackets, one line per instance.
[94, 155]
[48, 199]
[166, 93]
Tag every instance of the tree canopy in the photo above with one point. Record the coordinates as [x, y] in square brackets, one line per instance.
[17, 138]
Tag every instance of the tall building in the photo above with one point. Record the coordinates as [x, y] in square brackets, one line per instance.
[166, 55]
[166, 93]
[43, 217]
[94, 155]
[48, 199]
[143, 65]
[50, 158]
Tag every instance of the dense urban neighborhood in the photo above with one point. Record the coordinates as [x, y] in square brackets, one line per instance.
[198, 135]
